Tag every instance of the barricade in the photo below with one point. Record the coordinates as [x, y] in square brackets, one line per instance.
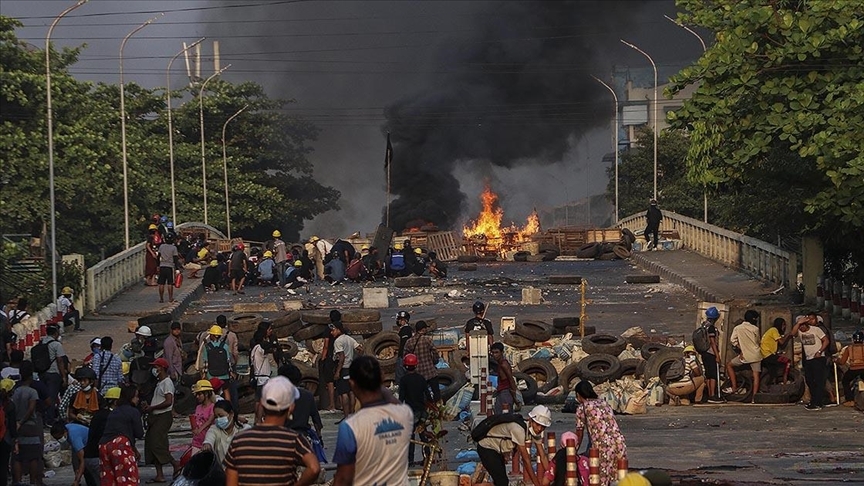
[594, 467]
[483, 392]
[572, 464]
[623, 468]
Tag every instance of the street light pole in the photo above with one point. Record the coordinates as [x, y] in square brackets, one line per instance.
[225, 168]
[614, 97]
[655, 108]
[201, 119]
[171, 127]
[123, 128]
[704, 48]
[50, 116]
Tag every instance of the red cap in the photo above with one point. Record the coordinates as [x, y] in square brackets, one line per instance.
[216, 383]
[162, 362]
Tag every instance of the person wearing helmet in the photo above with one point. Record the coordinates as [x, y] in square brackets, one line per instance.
[294, 278]
[478, 323]
[746, 338]
[418, 265]
[322, 249]
[97, 428]
[203, 417]
[853, 355]
[237, 268]
[710, 356]
[66, 308]
[267, 270]
[511, 436]
[772, 344]
[169, 261]
[280, 256]
[135, 347]
[654, 216]
[397, 263]
[414, 392]
[685, 380]
[81, 399]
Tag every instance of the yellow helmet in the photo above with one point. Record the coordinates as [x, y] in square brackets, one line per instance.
[112, 393]
[277, 233]
[215, 330]
[398, 246]
[268, 254]
[298, 263]
[314, 239]
[418, 251]
[152, 227]
[202, 386]
[364, 247]
[7, 384]
[66, 290]
[690, 349]
[214, 263]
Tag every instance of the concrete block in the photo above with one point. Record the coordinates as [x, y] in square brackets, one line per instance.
[290, 305]
[531, 296]
[375, 298]
[246, 307]
[415, 300]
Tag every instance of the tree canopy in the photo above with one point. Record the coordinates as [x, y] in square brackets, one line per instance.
[271, 184]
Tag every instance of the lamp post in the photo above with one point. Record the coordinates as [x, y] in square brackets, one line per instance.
[171, 127]
[615, 98]
[655, 108]
[50, 116]
[123, 128]
[201, 119]
[704, 48]
[225, 168]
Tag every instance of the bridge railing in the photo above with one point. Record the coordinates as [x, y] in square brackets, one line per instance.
[114, 275]
[736, 250]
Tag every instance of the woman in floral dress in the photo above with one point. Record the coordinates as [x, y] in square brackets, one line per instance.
[595, 417]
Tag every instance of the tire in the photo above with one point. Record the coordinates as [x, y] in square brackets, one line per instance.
[313, 331]
[648, 349]
[537, 331]
[745, 382]
[642, 279]
[608, 256]
[184, 400]
[562, 322]
[604, 344]
[197, 327]
[565, 279]
[535, 258]
[243, 340]
[316, 317]
[289, 348]
[542, 371]
[245, 322]
[632, 366]
[549, 255]
[600, 368]
[512, 339]
[161, 328]
[546, 247]
[468, 259]
[291, 321]
[626, 233]
[589, 250]
[450, 381]
[626, 244]
[384, 346]
[467, 267]
[359, 315]
[621, 252]
[576, 331]
[407, 282]
[558, 399]
[154, 319]
[529, 394]
[287, 330]
[659, 363]
[568, 377]
[308, 376]
[521, 256]
[772, 398]
[456, 359]
[488, 258]
[363, 328]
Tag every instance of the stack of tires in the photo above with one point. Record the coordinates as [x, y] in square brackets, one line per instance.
[608, 250]
[528, 333]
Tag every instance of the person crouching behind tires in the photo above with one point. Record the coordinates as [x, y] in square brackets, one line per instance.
[503, 438]
[693, 381]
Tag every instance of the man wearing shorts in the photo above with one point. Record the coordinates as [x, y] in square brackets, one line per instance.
[747, 338]
[711, 355]
[344, 349]
[168, 256]
[237, 267]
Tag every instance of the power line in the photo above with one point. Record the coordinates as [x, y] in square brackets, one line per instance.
[187, 9]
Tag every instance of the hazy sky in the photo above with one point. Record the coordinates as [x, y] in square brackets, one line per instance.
[345, 62]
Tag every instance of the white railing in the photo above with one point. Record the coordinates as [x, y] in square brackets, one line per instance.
[736, 250]
[114, 274]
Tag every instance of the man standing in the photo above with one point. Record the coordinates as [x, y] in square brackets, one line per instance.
[344, 347]
[108, 366]
[854, 356]
[421, 346]
[172, 351]
[405, 332]
[711, 355]
[414, 392]
[237, 268]
[654, 216]
[66, 308]
[746, 337]
[52, 370]
[814, 342]
[372, 445]
[506, 392]
[270, 453]
[159, 421]
[481, 324]
[280, 256]
[168, 257]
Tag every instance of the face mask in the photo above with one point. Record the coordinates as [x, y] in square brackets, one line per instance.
[155, 372]
[222, 422]
[535, 435]
[87, 388]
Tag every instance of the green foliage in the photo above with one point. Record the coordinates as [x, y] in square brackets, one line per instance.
[270, 178]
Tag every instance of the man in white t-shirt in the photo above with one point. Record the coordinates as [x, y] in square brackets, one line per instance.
[814, 342]
[159, 421]
[66, 308]
[748, 339]
[344, 348]
[372, 444]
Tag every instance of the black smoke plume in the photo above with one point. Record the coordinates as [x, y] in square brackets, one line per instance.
[520, 91]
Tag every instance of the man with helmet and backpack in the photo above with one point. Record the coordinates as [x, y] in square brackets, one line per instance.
[499, 435]
[705, 343]
[853, 355]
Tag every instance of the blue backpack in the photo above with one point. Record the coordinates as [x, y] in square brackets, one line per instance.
[397, 261]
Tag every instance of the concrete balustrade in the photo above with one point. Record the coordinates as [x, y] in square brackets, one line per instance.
[736, 250]
[113, 275]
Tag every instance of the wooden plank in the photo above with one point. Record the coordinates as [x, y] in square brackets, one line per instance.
[444, 245]
[383, 237]
[255, 307]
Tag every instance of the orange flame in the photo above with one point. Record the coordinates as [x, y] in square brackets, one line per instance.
[488, 224]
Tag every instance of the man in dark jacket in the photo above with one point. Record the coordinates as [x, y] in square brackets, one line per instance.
[654, 216]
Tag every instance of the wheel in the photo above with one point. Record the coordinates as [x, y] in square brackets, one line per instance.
[745, 386]
[456, 358]
[542, 371]
[588, 250]
[154, 319]
[312, 331]
[626, 233]
[576, 330]
[660, 361]
[621, 252]
[648, 349]
[794, 389]
[467, 267]
[289, 348]
[626, 244]
[568, 376]
[512, 339]
[363, 328]
[468, 259]
[450, 381]
[161, 328]
[360, 315]
[316, 317]
[406, 282]
[385, 347]
[607, 256]
[530, 391]
[488, 258]
[245, 322]
[642, 279]
[604, 344]
[549, 255]
[600, 368]
[287, 330]
[537, 331]
[631, 367]
[565, 279]
[521, 256]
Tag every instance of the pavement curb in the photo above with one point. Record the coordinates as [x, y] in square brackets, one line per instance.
[182, 302]
[667, 273]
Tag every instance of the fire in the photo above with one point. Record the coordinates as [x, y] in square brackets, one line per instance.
[488, 225]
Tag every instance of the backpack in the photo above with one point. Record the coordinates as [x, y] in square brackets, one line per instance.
[397, 261]
[481, 430]
[41, 357]
[700, 339]
[676, 371]
[15, 317]
[217, 359]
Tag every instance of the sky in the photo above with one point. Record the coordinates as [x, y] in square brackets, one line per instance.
[359, 68]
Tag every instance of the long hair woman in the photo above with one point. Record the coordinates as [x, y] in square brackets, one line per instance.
[596, 420]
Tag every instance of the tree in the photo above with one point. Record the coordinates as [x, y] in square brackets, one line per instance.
[781, 95]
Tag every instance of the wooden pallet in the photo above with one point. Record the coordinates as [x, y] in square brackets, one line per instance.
[444, 245]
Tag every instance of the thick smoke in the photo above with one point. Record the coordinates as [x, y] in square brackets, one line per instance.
[521, 88]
